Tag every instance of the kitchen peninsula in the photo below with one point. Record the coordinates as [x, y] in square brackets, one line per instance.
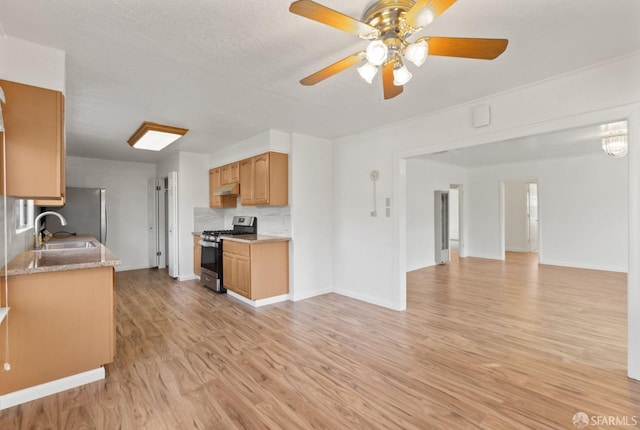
[62, 318]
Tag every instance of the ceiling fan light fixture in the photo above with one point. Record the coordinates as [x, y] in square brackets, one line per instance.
[155, 137]
[367, 72]
[616, 145]
[377, 52]
[417, 52]
[401, 75]
[425, 17]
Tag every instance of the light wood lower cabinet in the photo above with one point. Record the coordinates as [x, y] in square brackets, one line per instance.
[197, 254]
[60, 324]
[258, 270]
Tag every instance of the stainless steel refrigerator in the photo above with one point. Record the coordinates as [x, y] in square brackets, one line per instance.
[85, 210]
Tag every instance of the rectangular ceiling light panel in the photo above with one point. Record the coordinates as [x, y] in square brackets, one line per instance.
[154, 137]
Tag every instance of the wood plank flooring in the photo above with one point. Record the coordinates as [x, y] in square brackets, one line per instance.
[483, 345]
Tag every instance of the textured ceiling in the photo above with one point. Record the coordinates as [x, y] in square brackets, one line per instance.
[229, 70]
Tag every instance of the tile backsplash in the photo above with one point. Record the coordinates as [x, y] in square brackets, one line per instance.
[16, 243]
[275, 220]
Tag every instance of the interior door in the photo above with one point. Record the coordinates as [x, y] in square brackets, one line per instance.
[172, 224]
[441, 226]
[153, 221]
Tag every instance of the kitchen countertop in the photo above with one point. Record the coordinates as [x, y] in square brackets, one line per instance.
[38, 261]
[255, 238]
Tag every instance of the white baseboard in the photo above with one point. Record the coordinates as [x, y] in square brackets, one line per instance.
[258, 303]
[188, 277]
[371, 300]
[49, 388]
[310, 294]
[582, 266]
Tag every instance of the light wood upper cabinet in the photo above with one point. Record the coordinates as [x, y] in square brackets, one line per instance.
[264, 180]
[246, 182]
[230, 173]
[215, 180]
[257, 270]
[35, 152]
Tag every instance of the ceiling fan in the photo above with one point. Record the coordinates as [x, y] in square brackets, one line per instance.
[388, 24]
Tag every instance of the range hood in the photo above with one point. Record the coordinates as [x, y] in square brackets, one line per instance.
[228, 189]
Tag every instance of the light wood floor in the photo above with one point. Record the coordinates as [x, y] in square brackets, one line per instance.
[483, 345]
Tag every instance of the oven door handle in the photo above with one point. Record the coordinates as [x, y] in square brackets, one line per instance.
[208, 244]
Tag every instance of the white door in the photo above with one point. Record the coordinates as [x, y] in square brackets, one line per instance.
[153, 222]
[172, 223]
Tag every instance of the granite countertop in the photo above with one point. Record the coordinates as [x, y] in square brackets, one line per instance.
[254, 238]
[39, 261]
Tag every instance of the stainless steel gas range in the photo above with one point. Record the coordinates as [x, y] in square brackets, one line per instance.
[211, 241]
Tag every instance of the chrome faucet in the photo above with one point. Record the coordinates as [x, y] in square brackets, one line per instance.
[36, 223]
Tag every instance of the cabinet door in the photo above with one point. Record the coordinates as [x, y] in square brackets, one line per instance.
[214, 182]
[243, 276]
[34, 124]
[225, 175]
[246, 182]
[234, 172]
[261, 179]
[197, 254]
[229, 271]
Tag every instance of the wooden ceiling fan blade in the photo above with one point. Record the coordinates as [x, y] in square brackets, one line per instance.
[390, 90]
[423, 12]
[317, 12]
[483, 49]
[336, 67]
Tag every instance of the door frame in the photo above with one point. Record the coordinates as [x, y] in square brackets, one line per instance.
[503, 215]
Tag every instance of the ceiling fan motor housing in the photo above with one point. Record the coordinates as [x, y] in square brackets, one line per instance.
[388, 16]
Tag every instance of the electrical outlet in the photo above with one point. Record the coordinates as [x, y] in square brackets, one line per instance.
[375, 175]
[7, 367]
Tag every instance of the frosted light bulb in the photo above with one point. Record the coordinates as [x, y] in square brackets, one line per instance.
[377, 52]
[401, 76]
[368, 71]
[417, 53]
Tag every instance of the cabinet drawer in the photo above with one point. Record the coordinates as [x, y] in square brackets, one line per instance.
[237, 248]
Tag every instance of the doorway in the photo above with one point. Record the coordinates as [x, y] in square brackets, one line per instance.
[455, 220]
[163, 223]
[520, 232]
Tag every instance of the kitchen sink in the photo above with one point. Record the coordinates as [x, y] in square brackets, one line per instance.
[79, 244]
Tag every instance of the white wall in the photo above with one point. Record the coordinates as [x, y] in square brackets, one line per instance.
[363, 243]
[31, 64]
[583, 210]
[193, 178]
[454, 214]
[516, 221]
[127, 212]
[423, 178]
[311, 192]
[193, 192]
